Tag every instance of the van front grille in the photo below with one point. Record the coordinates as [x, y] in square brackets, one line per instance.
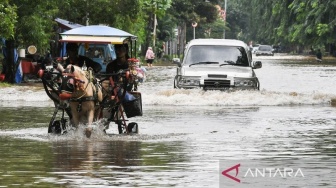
[216, 84]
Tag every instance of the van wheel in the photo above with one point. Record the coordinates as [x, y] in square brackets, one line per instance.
[258, 85]
[176, 81]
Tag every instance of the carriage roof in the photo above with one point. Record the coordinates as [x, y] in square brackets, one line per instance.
[97, 34]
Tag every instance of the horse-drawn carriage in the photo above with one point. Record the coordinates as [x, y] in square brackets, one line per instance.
[82, 97]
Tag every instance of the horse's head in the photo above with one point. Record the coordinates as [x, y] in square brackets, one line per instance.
[73, 81]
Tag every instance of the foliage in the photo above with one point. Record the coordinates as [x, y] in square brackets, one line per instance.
[189, 11]
[289, 22]
[8, 18]
[292, 22]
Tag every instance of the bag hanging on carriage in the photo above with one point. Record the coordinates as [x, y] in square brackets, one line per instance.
[132, 104]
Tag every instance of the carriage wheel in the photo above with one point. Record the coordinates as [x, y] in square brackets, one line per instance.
[133, 128]
[55, 127]
[120, 129]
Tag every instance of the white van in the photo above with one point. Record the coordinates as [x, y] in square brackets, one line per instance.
[216, 64]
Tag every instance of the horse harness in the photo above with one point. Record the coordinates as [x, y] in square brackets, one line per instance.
[77, 83]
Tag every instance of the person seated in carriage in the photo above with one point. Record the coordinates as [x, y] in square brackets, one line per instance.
[121, 62]
[75, 59]
[125, 92]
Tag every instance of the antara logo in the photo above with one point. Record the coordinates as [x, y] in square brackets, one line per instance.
[263, 173]
[236, 167]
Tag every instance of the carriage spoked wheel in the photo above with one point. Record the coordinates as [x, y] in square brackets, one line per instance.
[58, 127]
[115, 106]
[120, 128]
[131, 128]
[55, 128]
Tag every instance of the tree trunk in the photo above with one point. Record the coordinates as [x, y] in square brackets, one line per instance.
[182, 29]
[10, 64]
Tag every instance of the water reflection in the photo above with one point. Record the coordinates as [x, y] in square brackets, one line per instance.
[24, 163]
[24, 117]
[113, 163]
[88, 155]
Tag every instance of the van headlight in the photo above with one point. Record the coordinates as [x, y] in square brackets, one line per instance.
[244, 82]
[190, 80]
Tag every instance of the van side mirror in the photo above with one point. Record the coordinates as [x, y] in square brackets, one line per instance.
[257, 65]
[177, 61]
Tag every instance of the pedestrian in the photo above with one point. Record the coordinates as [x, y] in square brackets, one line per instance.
[319, 56]
[149, 57]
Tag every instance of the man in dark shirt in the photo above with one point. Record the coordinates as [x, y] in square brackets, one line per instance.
[121, 62]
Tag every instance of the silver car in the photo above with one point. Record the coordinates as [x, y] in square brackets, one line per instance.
[216, 64]
[266, 50]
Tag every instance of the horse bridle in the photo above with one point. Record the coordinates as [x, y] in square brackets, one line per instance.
[72, 83]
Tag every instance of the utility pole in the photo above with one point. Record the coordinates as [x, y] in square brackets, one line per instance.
[154, 28]
[87, 14]
[224, 18]
[194, 25]
[154, 3]
[87, 19]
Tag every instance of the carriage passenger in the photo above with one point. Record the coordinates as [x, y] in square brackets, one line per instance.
[121, 62]
[79, 60]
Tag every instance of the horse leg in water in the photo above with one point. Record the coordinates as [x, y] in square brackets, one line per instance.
[83, 113]
[90, 116]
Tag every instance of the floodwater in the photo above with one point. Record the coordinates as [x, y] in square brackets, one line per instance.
[187, 137]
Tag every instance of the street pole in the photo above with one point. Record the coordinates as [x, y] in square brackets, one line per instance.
[224, 18]
[194, 32]
[154, 31]
[87, 19]
[194, 25]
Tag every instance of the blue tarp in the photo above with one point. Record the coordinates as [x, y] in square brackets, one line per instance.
[19, 73]
[4, 47]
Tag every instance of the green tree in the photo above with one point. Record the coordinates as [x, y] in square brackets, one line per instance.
[8, 18]
[188, 11]
[315, 22]
[292, 22]
[28, 23]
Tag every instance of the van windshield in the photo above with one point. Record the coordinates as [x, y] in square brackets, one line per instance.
[222, 54]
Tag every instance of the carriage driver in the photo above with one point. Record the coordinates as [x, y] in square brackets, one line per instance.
[75, 59]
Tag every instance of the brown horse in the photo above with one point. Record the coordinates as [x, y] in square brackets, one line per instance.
[83, 94]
